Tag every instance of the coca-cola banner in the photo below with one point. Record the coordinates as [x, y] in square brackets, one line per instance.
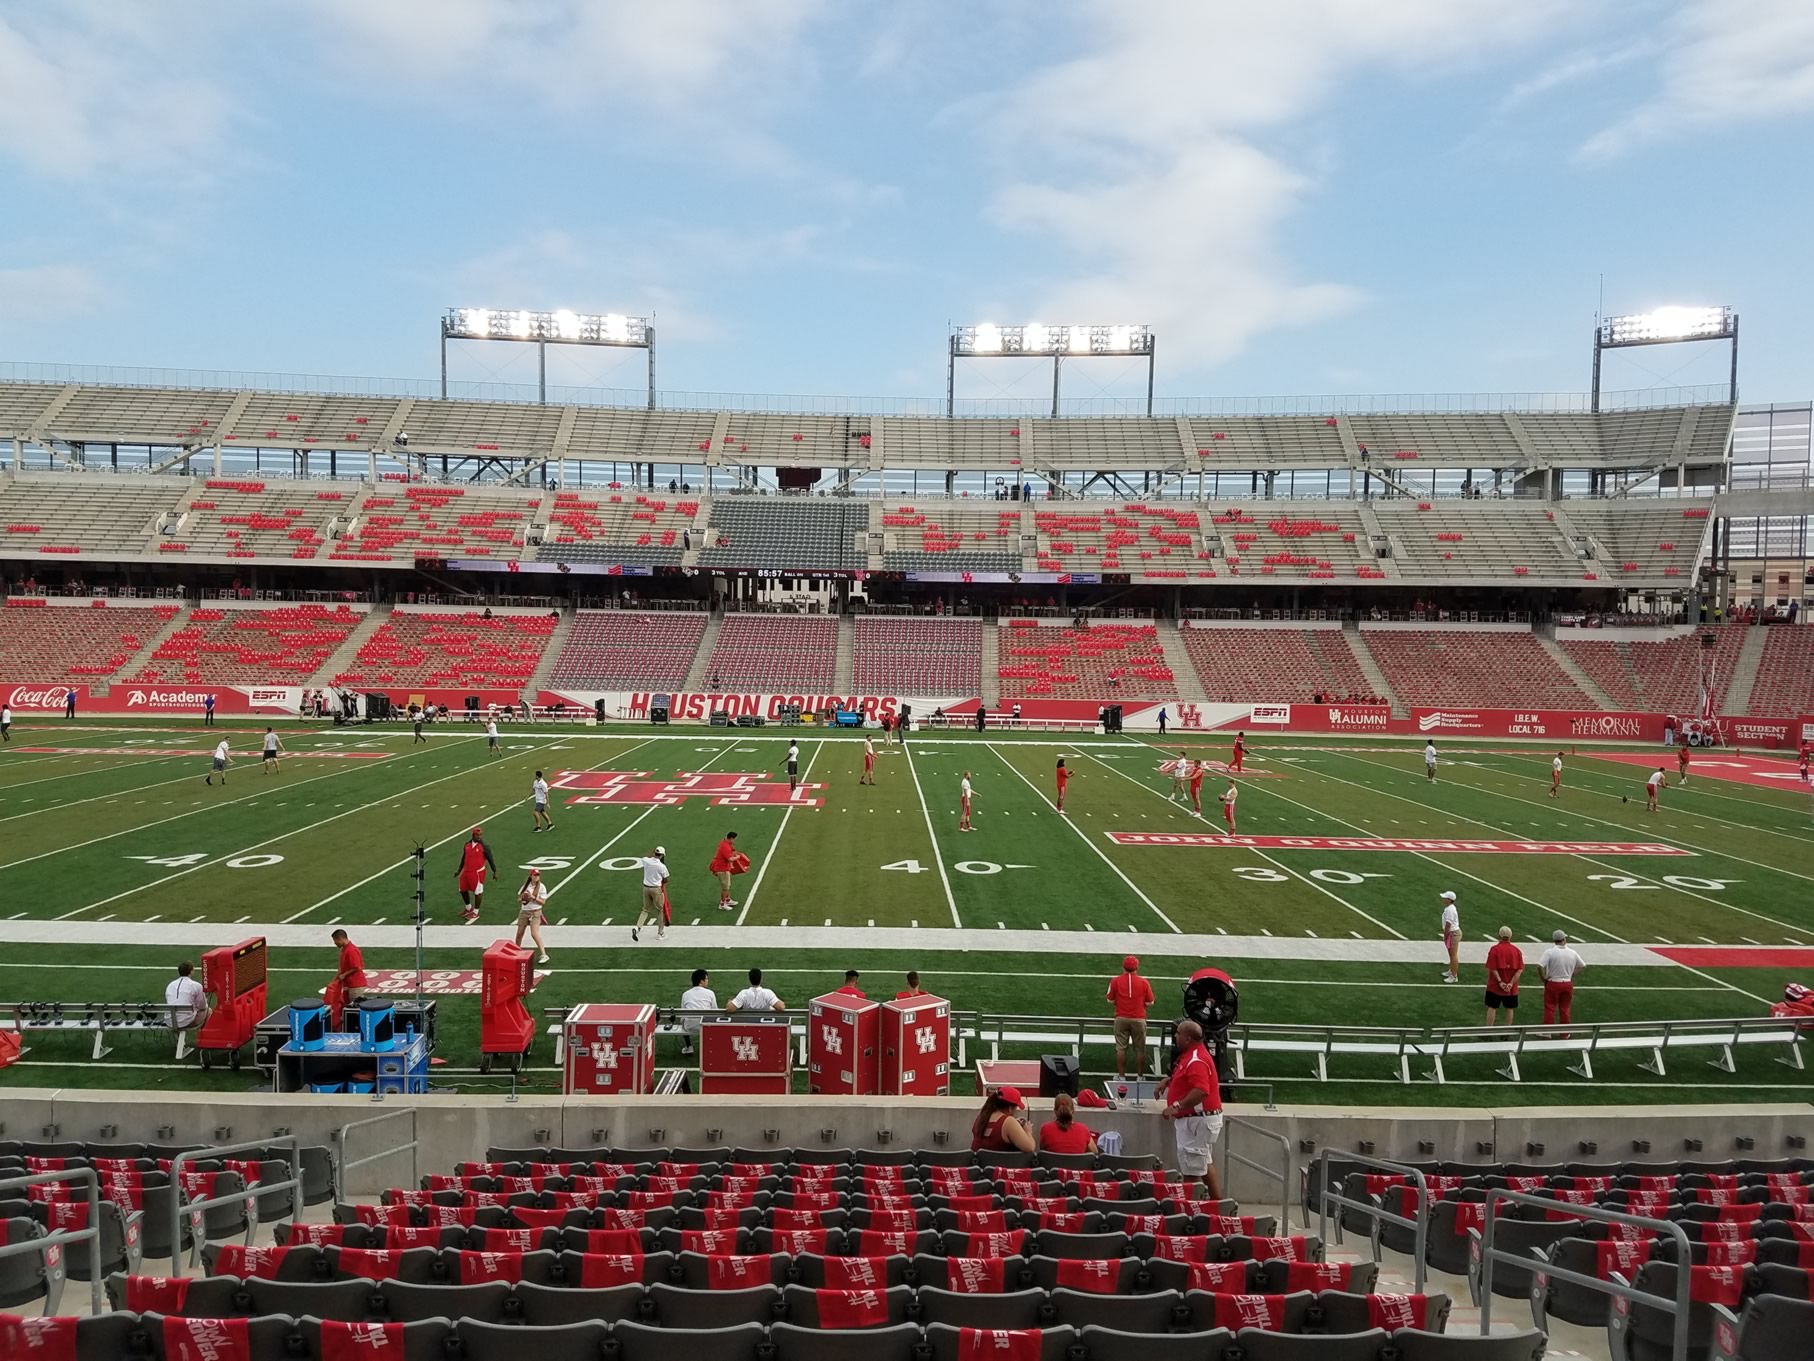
[41, 697]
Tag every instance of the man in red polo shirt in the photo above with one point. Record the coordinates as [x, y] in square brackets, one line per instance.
[351, 973]
[1193, 1102]
[1132, 995]
[1504, 964]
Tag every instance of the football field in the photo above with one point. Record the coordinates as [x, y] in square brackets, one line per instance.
[116, 861]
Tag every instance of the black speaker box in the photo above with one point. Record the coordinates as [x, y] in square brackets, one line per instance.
[1057, 1073]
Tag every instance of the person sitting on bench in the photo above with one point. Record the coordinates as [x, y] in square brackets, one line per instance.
[186, 993]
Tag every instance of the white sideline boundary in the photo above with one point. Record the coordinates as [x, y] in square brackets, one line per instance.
[118, 934]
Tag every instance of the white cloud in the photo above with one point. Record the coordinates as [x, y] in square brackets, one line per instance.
[1148, 167]
[95, 93]
[1574, 69]
[571, 54]
[1723, 62]
[45, 292]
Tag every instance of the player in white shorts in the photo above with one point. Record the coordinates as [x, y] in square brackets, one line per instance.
[532, 903]
[491, 736]
[1652, 787]
[1555, 775]
[1429, 761]
[964, 795]
[1181, 770]
[273, 745]
[538, 797]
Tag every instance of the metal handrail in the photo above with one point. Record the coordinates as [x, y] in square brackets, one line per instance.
[1379, 1214]
[342, 1165]
[1283, 1176]
[55, 1272]
[196, 1208]
[1489, 1254]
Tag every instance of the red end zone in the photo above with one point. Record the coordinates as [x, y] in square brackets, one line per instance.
[1730, 957]
[1758, 772]
[1352, 843]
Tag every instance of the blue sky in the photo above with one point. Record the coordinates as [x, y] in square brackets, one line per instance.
[1323, 196]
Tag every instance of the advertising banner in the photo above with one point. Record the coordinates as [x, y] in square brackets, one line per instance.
[1552, 724]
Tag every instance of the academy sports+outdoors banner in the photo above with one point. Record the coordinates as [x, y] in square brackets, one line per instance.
[28, 697]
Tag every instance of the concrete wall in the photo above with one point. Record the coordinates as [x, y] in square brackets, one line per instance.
[451, 1128]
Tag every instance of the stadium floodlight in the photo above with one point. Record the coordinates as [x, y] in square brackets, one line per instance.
[1667, 326]
[1041, 340]
[561, 327]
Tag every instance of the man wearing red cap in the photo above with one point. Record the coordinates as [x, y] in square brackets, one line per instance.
[475, 858]
[1132, 995]
[1193, 1102]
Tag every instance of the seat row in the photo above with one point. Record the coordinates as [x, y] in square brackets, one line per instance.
[814, 1157]
[536, 1305]
[156, 1337]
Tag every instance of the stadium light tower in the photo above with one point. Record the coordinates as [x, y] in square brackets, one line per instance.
[1036, 340]
[1667, 326]
[543, 329]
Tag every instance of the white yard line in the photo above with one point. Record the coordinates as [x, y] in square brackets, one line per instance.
[1159, 793]
[775, 845]
[269, 841]
[1585, 859]
[464, 829]
[1138, 891]
[937, 856]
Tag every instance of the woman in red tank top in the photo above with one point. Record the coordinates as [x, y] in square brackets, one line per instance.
[1064, 1134]
[997, 1127]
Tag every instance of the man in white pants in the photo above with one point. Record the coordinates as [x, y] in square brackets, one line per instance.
[654, 885]
[1193, 1102]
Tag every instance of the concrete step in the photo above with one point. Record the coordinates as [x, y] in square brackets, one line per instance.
[844, 670]
[1586, 682]
[1744, 671]
[1185, 682]
[545, 668]
[698, 674]
[1369, 666]
[342, 659]
[991, 663]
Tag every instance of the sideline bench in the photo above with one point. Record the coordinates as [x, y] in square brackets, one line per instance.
[99, 1017]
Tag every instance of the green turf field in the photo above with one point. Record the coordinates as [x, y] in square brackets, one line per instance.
[117, 860]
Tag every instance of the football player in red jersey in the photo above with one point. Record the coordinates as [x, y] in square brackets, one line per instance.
[475, 859]
[1234, 766]
[1064, 778]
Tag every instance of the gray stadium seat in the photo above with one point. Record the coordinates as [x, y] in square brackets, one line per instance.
[1349, 1313]
[1415, 1345]
[552, 1306]
[795, 1343]
[23, 1275]
[1049, 1273]
[1517, 1236]
[1257, 1344]
[640, 1342]
[1014, 1309]
[300, 1263]
[1204, 1309]
[1772, 1326]
[1274, 1277]
[1645, 1333]
[1569, 1302]
[405, 1303]
[1091, 1246]
[106, 1337]
[1106, 1344]
[423, 1341]
[695, 1269]
[348, 1301]
[501, 1342]
[420, 1266]
[1156, 1312]
[684, 1308]
[207, 1296]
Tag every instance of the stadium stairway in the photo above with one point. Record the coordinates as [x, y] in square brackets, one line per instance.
[1369, 666]
[991, 663]
[1189, 684]
[143, 656]
[844, 670]
[345, 655]
[699, 674]
[1547, 637]
[1744, 670]
[545, 668]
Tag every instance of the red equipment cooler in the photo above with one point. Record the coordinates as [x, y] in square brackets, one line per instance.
[739, 1055]
[505, 1025]
[609, 1048]
[235, 974]
[916, 1047]
[841, 1034]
